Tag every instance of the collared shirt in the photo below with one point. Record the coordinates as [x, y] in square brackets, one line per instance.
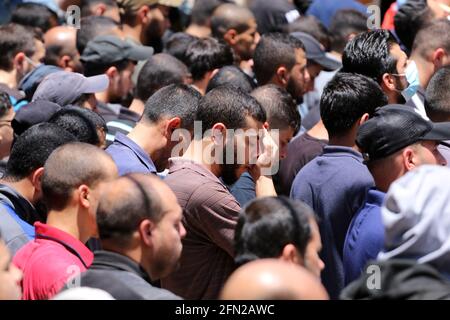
[49, 261]
[122, 277]
[129, 157]
[365, 236]
[210, 216]
[334, 185]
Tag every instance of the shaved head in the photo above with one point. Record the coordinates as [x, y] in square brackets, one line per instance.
[230, 16]
[272, 279]
[61, 51]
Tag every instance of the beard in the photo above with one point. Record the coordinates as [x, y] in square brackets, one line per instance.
[292, 89]
[229, 170]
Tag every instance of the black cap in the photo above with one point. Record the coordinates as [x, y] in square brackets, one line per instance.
[316, 52]
[108, 49]
[394, 127]
[33, 113]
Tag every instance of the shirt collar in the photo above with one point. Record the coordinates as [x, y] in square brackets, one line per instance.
[375, 197]
[140, 153]
[75, 246]
[332, 150]
[178, 163]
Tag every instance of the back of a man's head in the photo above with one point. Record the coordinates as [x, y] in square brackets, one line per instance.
[345, 99]
[206, 55]
[88, 5]
[312, 26]
[267, 225]
[70, 166]
[230, 106]
[344, 24]
[177, 45]
[432, 37]
[34, 15]
[159, 71]
[369, 54]
[203, 10]
[230, 16]
[274, 50]
[271, 279]
[234, 76]
[437, 98]
[14, 39]
[280, 108]
[175, 100]
[93, 26]
[32, 148]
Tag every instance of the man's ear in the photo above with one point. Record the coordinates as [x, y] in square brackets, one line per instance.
[282, 76]
[266, 126]
[64, 63]
[387, 81]
[230, 36]
[100, 9]
[290, 254]
[172, 125]
[409, 158]
[438, 57]
[19, 62]
[36, 178]
[142, 15]
[112, 72]
[364, 118]
[146, 231]
[84, 194]
[219, 134]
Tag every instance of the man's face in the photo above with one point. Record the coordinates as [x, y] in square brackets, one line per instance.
[159, 23]
[122, 85]
[312, 260]
[246, 42]
[298, 76]
[284, 137]
[167, 235]
[6, 133]
[313, 70]
[400, 82]
[10, 276]
[428, 153]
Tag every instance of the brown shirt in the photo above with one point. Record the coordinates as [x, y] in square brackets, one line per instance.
[210, 215]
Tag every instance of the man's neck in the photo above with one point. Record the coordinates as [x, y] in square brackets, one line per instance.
[67, 220]
[24, 187]
[137, 106]
[140, 135]
[195, 152]
[319, 131]
[133, 33]
[201, 85]
[9, 78]
[344, 141]
[102, 96]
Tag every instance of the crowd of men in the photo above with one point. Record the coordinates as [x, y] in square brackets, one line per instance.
[220, 149]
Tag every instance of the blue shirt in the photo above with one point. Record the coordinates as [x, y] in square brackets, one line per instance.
[365, 236]
[324, 10]
[334, 185]
[244, 189]
[129, 157]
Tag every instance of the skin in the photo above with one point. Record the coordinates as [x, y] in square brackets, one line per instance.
[393, 84]
[312, 260]
[66, 37]
[272, 279]
[10, 276]
[120, 84]
[298, 77]
[6, 133]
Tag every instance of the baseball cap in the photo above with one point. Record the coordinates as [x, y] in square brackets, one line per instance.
[108, 49]
[394, 127]
[316, 52]
[65, 87]
[134, 5]
[33, 113]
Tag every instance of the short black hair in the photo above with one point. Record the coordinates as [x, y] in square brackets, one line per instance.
[175, 100]
[32, 148]
[177, 45]
[228, 105]
[159, 71]
[369, 54]
[94, 68]
[233, 76]
[433, 36]
[121, 211]
[86, 6]
[312, 26]
[437, 98]
[273, 51]
[81, 122]
[410, 18]
[68, 167]
[266, 225]
[91, 27]
[34, 15]
[281, 110]
[5, 104]
[207, 54]
[343, 24]
[15, 38]
[346, 98]
[203, 10]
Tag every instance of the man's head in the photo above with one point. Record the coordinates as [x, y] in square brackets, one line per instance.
[150, 17]
[272, 279]
[34, 15]
[377, 55]
[312, 26]
[60, 48]
[169, 109]
[10, 275]
[348, 100]
[280, 228]
[86, 125]
[93, 26]
[116, 58]
[437, 98]
[206, 56]
[105, 8]
[159, 71]
[234, 76]
[281, 59]
[22, 49]
[397, 140]
[72, 179]
[6, 131]
[177, 44]
[344, 26]
[231, 121]
[282, 114]
[431, 49]
[65, 88]
[139, 216]
[236, 26]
